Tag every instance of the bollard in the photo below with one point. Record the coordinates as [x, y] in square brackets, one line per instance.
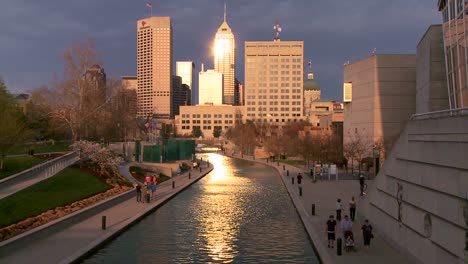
[338, 246]
[313, 209]
[287, 173]
[173, 184]
[200, 168]
[103, 222]
[284, 167]
[189, 175]
[292, 180]
[300, 191]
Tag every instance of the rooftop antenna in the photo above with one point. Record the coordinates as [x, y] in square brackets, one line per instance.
[224, 10]
[278, 30]
[374, 51]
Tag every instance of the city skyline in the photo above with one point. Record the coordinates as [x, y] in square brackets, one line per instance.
[333, 32]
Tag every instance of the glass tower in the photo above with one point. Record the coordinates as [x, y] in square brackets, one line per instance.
[455, 26]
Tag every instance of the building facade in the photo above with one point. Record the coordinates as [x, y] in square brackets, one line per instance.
[177, 95]
[431, 80]
[383, 98]
[211, 87]
[238, 93]
[154, 67]
[129, 82]
[274, 80]
[225, 59]
[185, 70]
[455, 28]
[207, 117]
[311, 92]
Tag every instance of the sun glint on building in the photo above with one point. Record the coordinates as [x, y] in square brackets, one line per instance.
[224, 59]
[154, 67]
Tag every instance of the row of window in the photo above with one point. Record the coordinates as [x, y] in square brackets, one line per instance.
[204, 127]
[264, 109]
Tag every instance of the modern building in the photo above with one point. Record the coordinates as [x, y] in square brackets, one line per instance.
[129, 82]
[210, 87]
[274, 81]
[383, 98]
[185, 70]
[455, 31]
[322, 108]
[95, 78]
[177, 95]
[154, 67]
[311, 92]
[238, 93]
[186, 95]
[431, 80]
[207, 117]
[225, 59]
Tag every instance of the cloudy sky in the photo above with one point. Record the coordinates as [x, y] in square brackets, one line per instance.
[34, 34]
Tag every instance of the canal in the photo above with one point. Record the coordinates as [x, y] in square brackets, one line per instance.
[238, 213]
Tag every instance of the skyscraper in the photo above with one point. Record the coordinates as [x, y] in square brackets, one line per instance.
[154, 67]
[224, 58]
[273, 81]
[185, 69]
[210, 87]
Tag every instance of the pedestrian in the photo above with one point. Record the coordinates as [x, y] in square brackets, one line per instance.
[346, 226]
[299, 178]
[331, 227]
[367, 233]
[352, 209]
[138, 191]
[339, 207]
[148, 179]
[155, 180]
[143, 191]
[362, 183]
[148, 194]
[153, 190]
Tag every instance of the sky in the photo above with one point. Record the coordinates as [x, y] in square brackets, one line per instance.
[34, 34]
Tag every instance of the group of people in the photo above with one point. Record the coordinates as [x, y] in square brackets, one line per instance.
[346, 226]
[146, 192]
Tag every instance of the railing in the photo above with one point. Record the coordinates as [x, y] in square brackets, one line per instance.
[26, 178]
[440, 114]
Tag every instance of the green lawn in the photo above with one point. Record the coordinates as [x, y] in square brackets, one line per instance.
[14, 165]
[39, 148]
[66, 187]
[139, 174]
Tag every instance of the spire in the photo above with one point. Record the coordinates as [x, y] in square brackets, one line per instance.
[224, 10]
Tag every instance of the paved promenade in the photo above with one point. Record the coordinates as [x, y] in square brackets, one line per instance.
[68, 244]
[324, 195]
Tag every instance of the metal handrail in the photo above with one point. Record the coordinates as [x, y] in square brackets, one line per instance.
[440, 114]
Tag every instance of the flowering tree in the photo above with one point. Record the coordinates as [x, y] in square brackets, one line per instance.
[105, 159]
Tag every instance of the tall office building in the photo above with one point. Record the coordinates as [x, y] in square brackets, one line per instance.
[210, 87]
[185, 69]
[224, 58]
[177, 95]
[273, 81]
[154, 67]
[455, 33]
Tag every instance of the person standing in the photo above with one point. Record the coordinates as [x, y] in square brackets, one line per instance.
[339, 207]
[148, 194]
[331, 228]
[155, 180]
[299, 178]
[352, 209]
[367, 233]
[143, 191]
[362, 183]
[138, 191]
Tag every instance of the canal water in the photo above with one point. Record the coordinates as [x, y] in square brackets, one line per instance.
[238, 213]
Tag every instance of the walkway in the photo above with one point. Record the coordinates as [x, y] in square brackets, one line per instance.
[324, 195]
[70, 243]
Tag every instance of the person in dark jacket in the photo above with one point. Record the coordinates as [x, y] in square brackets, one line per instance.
[367, 233]
[138, 192]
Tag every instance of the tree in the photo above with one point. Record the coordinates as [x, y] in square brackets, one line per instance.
[217, 131]
[356, 148]
[13, 129]
[98, 155]
[196, 132]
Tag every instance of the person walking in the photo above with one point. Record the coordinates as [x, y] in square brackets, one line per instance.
[362, 184]
[367, 233]
[143, 191]
[352, 209]
[331, 228]
[148, 179]
[299, 178]
[153, 190]
[155, 180]
[138, 192]
[346, 226]
[339, 207]
[148, 194]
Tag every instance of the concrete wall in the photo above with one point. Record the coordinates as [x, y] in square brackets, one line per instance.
[429, 163]
[431, 88]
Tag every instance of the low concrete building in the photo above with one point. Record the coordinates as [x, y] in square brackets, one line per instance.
[383, 98]
[207, 117]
